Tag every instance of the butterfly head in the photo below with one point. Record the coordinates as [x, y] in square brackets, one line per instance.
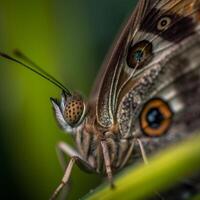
[69, 111]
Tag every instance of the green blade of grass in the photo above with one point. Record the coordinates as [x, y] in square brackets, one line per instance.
[163, 170]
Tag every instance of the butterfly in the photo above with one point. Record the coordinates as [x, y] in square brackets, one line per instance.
[146, 95]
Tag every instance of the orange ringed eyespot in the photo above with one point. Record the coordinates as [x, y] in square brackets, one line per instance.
[156, 117]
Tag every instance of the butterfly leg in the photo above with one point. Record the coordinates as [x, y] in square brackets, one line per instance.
[128, 154]
[144, 157]
[75, 158]
[143, 153]
[64, 149]
[107, 162]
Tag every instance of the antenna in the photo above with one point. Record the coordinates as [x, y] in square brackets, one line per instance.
[35, 68]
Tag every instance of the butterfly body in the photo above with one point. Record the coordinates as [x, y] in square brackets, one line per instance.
[150, 60]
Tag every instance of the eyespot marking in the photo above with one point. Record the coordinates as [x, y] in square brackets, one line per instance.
[139, 54]
[178, 29]
[164, 23]
[155, 118]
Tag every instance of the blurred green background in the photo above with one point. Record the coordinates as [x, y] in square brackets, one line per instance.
[69, 39]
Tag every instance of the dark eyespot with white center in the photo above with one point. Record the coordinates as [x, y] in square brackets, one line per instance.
[164, 23]
[139, 53]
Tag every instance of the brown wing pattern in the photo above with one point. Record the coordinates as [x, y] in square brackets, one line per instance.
[102, 92]
[116, 78]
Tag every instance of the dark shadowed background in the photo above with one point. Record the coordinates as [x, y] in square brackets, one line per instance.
[69, 39]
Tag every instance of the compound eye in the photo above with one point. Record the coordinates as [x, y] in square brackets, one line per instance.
[155, 118]
[74, 111]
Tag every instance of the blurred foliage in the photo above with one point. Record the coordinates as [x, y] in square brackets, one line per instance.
[69, 39]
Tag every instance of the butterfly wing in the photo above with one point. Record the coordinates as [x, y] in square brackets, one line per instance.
[101, 98]
[165, 27]
[170, 28]
[156, 57]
